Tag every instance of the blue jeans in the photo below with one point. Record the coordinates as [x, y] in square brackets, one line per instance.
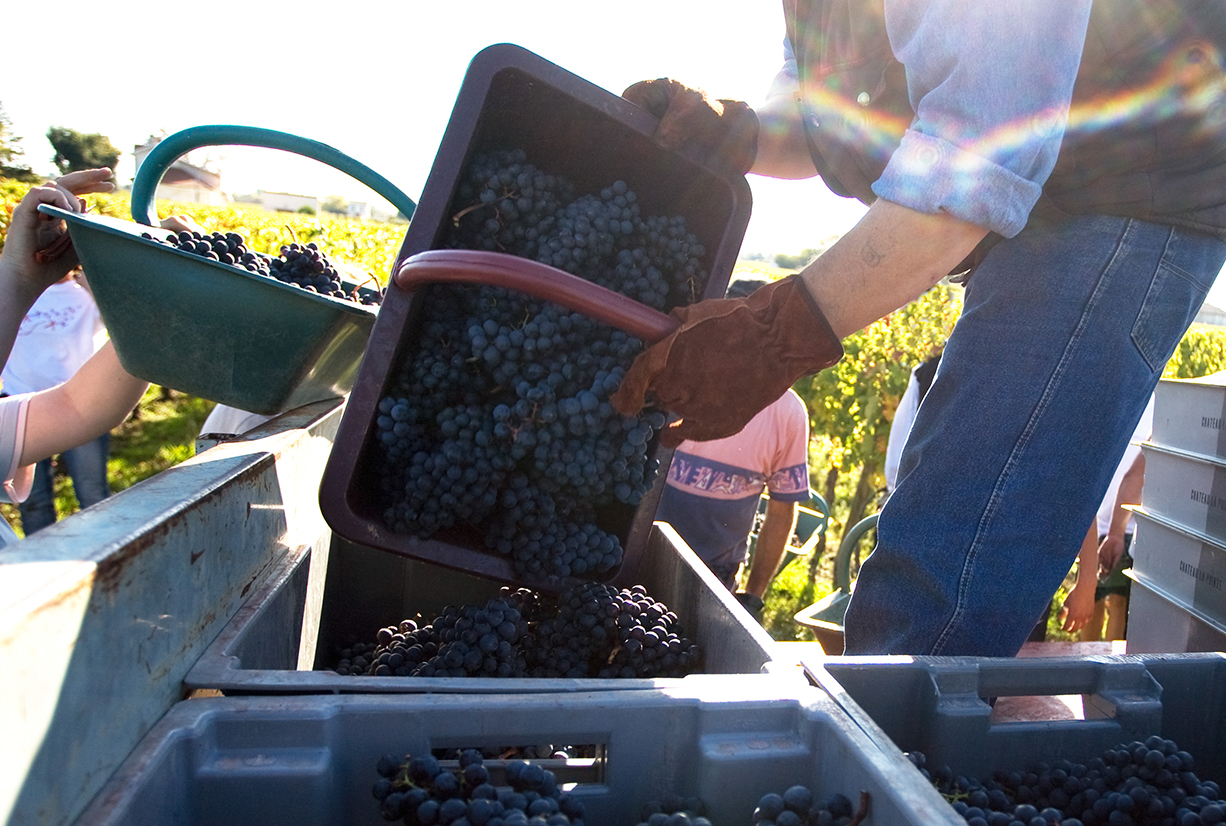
[1063, 336]
[86, 466]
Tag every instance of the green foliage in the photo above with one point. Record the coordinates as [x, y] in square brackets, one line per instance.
[853, 403]
[9, 143]
[335, 204]
[75, 150]
[10, 150]
[1201, 351]
[796, 262]
[306, 209]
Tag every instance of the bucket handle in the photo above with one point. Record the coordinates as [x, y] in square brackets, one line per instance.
[172, 147]
[524, 275]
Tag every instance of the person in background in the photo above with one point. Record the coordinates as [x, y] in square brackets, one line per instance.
[713, 489]
[987, 139]
[904, 417]
[58, 335]
[98, 397]
[1102, 594]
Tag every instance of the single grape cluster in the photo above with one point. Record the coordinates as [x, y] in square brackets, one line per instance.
[1148, 783]
[600, 631]
[499, 417]
[589, 631]
[419, 791]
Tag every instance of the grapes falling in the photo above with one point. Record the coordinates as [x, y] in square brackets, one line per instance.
[589, 631]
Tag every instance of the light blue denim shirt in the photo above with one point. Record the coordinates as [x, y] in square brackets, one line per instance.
[990, 84]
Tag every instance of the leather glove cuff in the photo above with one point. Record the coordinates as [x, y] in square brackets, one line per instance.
[730, 359]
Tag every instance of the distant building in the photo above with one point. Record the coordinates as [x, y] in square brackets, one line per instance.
[287, 201]
[358, 209]
[183, 181]
[1211, 315]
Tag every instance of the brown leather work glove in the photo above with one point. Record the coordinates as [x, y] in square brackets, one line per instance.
[729, 359]
[722, 129]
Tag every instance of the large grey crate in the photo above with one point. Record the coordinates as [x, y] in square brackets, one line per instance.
[940, 706]
[269, 646]
[310, 761]
[1187, 489]
[1159, 622]
[1190, 414]
[1183, 564]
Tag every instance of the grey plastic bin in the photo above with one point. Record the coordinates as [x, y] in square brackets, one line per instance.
[310, 761]
[939, 706]
[264, 648]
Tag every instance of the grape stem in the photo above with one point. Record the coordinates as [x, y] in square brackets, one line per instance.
[861, 810]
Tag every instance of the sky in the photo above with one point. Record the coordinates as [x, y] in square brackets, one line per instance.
[377, 80]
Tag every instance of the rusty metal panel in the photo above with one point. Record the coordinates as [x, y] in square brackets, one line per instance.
[102, 614]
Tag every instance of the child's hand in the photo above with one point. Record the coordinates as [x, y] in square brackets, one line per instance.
[37, 250]
[179, 223]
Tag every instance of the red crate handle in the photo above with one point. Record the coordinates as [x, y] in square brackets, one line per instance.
[499, 269]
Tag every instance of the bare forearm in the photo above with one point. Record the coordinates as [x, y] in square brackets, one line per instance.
[782, 149]
[1129, 493]
[773, 537]
[892, 256]
[97, 398]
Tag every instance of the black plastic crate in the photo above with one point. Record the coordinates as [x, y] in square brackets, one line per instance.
[512, 98]
[294, 624]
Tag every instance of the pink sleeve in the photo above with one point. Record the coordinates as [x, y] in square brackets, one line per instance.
[17, 478]
[789, 479]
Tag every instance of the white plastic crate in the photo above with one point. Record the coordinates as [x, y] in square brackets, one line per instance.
[1190, 414]
[1160, 623]
[1186, 489]
[1185, 565]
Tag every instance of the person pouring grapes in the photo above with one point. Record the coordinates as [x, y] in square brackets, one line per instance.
[1069, 158]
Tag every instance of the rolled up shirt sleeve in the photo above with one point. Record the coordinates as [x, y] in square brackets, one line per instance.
[991, 84]
[18, 478]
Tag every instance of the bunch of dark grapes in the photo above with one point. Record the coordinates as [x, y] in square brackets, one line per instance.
[1134, 784]
[602, 632]
[224, 247]
[591, 630]
[302, 265]
[398, 650]
[500, 418]
[799, 807]
[420, 791]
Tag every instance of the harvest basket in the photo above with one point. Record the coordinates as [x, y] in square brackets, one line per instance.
[211, 329]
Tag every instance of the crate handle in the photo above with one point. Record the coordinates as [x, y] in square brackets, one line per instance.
[1127, 701]
[172, 147]
[524, 275]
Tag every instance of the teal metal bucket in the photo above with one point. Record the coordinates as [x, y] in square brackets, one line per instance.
[214, 330]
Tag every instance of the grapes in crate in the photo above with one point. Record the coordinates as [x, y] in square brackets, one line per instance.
[499, 418]
[420, 789]
[302, 265]
[1134, 784]
[589, 631]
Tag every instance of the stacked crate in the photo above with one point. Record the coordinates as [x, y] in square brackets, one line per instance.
[1178, 601]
